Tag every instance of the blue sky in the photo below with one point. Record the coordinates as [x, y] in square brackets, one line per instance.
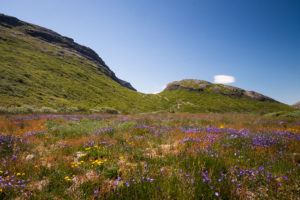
[153, 42]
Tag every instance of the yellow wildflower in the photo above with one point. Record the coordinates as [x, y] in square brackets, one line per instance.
[121, 157]
[18, 174]
[1, 190]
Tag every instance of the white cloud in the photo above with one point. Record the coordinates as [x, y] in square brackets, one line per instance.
[224, 79]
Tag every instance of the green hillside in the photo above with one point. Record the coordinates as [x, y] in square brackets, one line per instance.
[201, 96]
[40, 68]
[194, 102]
[41, 73]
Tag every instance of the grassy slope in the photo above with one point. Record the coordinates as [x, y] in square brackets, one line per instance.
[35, 72]
[208, 101]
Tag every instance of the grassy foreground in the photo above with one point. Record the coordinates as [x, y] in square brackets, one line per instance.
[167, 156]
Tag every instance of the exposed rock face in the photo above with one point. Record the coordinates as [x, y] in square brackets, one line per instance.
[189, 84]
[297, 105]
[233, 91]
[53, 37]
[226, 90]
[10, 21]
[257, 96]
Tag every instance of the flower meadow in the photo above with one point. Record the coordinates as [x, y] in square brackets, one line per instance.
[149, 156]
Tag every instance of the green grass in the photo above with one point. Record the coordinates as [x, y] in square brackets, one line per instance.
[208, 101]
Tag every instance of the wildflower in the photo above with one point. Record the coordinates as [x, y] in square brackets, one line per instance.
[1, 190]
[127, 184]
[18, 174]
[67, 178]
[96, 192]
[121, 157]
[35, 166]
[217, 194]
[192, 181]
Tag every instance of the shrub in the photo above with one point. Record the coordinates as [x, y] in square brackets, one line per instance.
[3, 109]
[104, 110]
[47, 110]
[68, 109]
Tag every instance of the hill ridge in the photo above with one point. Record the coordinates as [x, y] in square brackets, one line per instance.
[227, 90]
[53, 37]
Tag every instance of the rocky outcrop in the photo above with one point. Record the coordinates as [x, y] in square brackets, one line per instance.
[232, 91]
[189, 84]
[55, 38]
[257, 96]
[226, 90]
[297, 105]
[8, 21]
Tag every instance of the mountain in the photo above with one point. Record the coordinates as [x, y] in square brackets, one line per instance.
[201, 96]
[65, 44]
[42, 68]
[39, 68]
[297, 105]
[226, 90]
